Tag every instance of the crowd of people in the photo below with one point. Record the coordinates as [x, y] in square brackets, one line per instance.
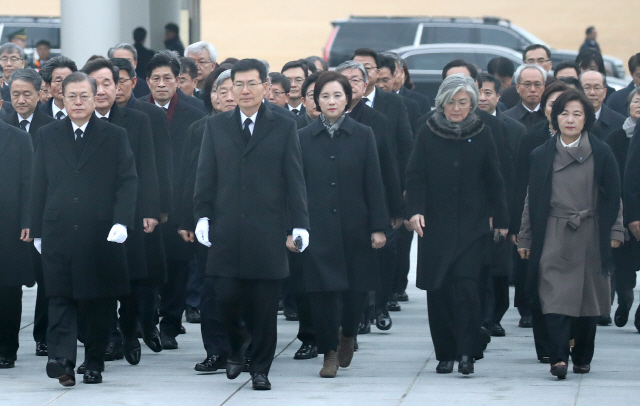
[147, 186]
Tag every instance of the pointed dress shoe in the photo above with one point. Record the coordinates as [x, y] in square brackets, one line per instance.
[62, 370]
[91, 377]
[604, 320]
[151, 338]
[383, 320]
[465, 366]
[211, 364]
[132, 351]
[114, 352]
[168, 342]
[525, 322]
[306, 351]
[6, 363]
[403, 297]
[192, 315]
[41, 349]
[260, 382]
[236, 361]
[497, 330]
[621, 316]
[393, 306]
[445, 367]
[559, 370]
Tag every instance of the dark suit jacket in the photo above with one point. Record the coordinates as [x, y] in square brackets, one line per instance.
[524, 117]
[3, 114]
[609, 121]
[6, 92]
[280, 110]
[510, 97]
[192, 101]
[144, 56]
[413, 112]
[76, 201]
[245, 191]
[632, 180]
[513, 130]
[39, 119]
[303, 120]
[15, 183]
[46, 108]
[301, 112]
[618, 100]
[142, 88]
[423, 101]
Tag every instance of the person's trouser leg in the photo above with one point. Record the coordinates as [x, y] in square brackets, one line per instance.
[325, 308]
[559, 334]
[305, 318]
[194, 285]
[441, 323]
[214, 337]
[466, 305]
[173, 296]
[388, 264]
[520, 300]
[41, 316]
[96, 313]
[584, 334]
[540, 332]
[353, 304]
[262, 322]
[403, 259]
[500, 297]
[62, 332]
[10, 314]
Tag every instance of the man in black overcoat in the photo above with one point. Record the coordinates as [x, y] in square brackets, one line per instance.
[53, 73]
[15, 263]
[83, 200]
[594, 84]
[26, 84]
[249, 175]
[147, 216]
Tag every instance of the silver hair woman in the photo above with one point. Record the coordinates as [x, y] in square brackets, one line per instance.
[453, 185]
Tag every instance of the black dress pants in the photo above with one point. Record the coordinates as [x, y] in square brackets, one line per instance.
[563, 328]
[138, 306]
[41, 317]
[305, 319]
[256, 302]
[63, 329]
[403, 259]
[626, 259]
[388, 265]
[10, 314]
[173, 296]
[332, 310]
[540, 332]
[214, 336]
[519, 281]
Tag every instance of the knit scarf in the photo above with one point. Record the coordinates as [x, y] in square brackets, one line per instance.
[629, 126]
[332, 128]
[465, 129]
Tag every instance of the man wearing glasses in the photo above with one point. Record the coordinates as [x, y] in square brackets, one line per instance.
[535, 54]
[594, 84]
[296, 72]
[53, 73]
[204, 55]
[530, 79]
[249, 191]
[12, 57]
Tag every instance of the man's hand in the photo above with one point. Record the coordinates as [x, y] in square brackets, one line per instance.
[164, 217]
[187, 236]
[524, 253]
[117, 234]
[615, 243]
[290, 244]
[24, 235]
[202, 232]
[417, 223]
[514, 239]
[397, 222]
[304, 236]
[37, 242]
[149, 224]
[378, 240]
[634, 227]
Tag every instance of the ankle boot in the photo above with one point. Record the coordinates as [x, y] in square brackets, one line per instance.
[330, 365]
[345, 351]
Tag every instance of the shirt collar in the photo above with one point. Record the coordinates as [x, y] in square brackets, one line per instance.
[29, 119]
[495, 113]
[598, 113]
[574, 144]
[83, 127]
[372, 96]
[298, 107]
[166, 106]
[531, 111]
[243, 117]
[55, 109]
[106, 115]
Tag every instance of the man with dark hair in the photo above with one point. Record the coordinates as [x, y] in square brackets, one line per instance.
[424, 104]
[388, 72]
[188, 75]
[43, 48]
[279, 88]
[163, 72]
[144, 54]
[12, 57]
[53, 73]
[567, 69]
[147, 215]
[296, 72]
[258, 150]
[503, 69]
[319, 63]
[535, 54]
[311, 113]
[130, 53]
[83, 200]
[618, 101]
[172, 40]
[590, 41]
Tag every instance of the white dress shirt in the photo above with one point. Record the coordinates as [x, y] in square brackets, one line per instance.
[100, 115]
[29, 119]
[55, 110]
[598, 113]
[370, 99]
[166, 106]
[298, 107]
[75, 127]
[574, 144]
[253, 118]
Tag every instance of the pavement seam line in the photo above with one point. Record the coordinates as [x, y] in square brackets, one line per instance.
[406, 392]
[575, 400]
[22, 328]
[249, 380]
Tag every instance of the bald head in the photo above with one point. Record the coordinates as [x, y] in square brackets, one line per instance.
[594, 84]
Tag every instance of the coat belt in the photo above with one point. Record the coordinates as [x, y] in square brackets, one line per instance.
[574, 219]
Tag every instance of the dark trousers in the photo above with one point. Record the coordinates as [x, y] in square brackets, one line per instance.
[332, 310]
[195, 285]
[41, 316]
[63, 329]
[626, 261]
[403, 259]
[563, 328]
[212, 328]
[388, 265]
[173, 296]
[256, 302]
[540, 332]
[519, 281]
[138, 306]
[305, 319]
[496, 299]
[10, 314]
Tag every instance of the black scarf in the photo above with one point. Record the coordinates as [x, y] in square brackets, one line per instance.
[472, 125]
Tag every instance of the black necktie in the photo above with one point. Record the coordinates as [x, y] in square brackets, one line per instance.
[59, 115]
[79, 142]
[246, 133]
[23, 124]
[295, 111]
[104, 119]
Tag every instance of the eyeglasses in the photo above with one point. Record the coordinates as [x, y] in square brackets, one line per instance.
[635, 102]
[277, 93]
[309, 95]
[298, 81]
[249, 85]
[157, 79]
[203, 63]
[384, 80]
[13, 59]
[73, 97]
[356, 81]
[368, 67]
[538, 61]
[529, 85]
[587, 89]
[122, 81]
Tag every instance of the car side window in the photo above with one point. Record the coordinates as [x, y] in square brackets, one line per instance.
[431, 60]
[496, 36]
[445, 35]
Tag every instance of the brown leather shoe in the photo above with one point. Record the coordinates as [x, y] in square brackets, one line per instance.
[330, 365]
[345, 351]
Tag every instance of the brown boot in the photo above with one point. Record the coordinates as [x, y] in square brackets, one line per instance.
[345, 351]
[330, 365]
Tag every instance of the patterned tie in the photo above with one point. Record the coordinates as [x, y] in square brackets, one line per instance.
[59, 115]
[246, 132]
[23, 124]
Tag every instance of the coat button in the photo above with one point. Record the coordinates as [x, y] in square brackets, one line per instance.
[75, 227]
[75, 200]
[455, 164]
[333, 158]
[333, 184]
[335, 211]
[243, 215]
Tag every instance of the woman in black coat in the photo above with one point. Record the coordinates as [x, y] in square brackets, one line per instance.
[454, 186]
[347, 215]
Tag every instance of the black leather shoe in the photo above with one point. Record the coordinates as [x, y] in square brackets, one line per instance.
[92, 377]
[62, 370]
[211, 364]
[6, 363]
[445, 367]
[383, 320]
[525, 322]
[182, 330]
[637, 320]
[291, 314]
[247, 364]
[621, 317]
[496, 330]
[545, 360]
[485, 336]
[306, 351]
[236, 361]
[192, 315]
[604, 320]
[151, 338]
[81, 369]
[355, 343]
[559, 370]
[365, 326]
[168, 342]
[41, 349]
[393, 306]
[132, 351]
[403, 297]
[465, 366]
[581, 369]
[261, 382]
[114, 352]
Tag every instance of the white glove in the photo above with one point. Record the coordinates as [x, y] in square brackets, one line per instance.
[202, 231]
[37, 242]
[117, 234]
[303, 234]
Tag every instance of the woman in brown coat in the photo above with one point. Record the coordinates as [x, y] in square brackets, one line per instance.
[571, 220]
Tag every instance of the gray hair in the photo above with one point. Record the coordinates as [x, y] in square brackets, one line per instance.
[126, 47]
[522, 68]
[452, 85]
[629, 98]
[222, 77]
[200, 46]
[266, 65]
[353, 65]
[10, 48]
[604, 78]
[395, 57]
[26, 75]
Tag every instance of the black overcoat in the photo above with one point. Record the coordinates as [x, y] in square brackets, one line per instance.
[609, 121]
[607, 182]
[76, 201]
[245, 192]
[456, 185]
[632, 180]
[423, 101]
[346, 204]
[16, 156]
[39, 119]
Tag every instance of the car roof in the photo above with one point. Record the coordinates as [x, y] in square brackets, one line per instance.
[458, 47]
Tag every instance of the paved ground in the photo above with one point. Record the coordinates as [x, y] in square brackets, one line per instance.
[392, 368]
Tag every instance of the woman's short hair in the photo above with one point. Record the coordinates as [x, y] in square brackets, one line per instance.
[569, 96]
[452, 85]
[629, 98]
[555, 87]
[329, 77]
[209, 84]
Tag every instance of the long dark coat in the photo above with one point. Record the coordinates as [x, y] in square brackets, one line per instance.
[245, 192]
[346, 202]
[609, 121]
[138, 129]
[456, 185]
[76, 201]
[39, 119]
[15, 182]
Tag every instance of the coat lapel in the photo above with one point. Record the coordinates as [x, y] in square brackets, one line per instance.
[63, 141]
[264, 124]
[95, 136]
[233, 129]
